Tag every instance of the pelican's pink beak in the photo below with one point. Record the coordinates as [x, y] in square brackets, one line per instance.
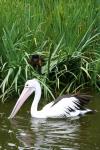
[23, 97]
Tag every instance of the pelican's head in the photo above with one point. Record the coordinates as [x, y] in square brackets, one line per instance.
[32, 84]
[29, 88]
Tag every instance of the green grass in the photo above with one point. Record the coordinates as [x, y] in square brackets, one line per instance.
[65, 33]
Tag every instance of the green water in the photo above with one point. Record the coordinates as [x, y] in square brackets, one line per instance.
[24, 133]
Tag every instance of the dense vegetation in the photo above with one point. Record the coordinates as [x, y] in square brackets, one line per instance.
[66, 33]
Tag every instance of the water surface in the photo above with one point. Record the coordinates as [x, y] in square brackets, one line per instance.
[24, 132]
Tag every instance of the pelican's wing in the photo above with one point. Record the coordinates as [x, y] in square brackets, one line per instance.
[66, 106]
[82, 99]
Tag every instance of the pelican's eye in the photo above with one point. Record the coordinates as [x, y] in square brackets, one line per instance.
[26, 85]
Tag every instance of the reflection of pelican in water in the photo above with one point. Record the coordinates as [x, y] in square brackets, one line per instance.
[43, 134]
[55, 133]
[62, 107]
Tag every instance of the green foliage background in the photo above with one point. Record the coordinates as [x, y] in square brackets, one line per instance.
[66, 33]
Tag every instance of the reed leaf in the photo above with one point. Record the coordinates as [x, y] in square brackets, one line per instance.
[6, 79]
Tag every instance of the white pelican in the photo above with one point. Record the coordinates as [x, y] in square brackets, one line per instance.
[63, 107]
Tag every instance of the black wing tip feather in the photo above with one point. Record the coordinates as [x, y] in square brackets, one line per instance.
[83, 98]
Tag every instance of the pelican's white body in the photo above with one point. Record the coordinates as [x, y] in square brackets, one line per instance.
[59, 110]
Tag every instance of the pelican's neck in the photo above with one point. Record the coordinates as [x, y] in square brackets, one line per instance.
[36, 98]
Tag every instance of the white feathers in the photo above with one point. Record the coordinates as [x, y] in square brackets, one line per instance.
[66, 107]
